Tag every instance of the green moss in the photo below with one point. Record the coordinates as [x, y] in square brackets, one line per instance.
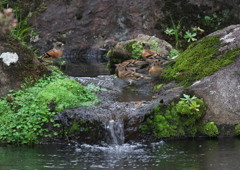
[158, 86]
[67, 93]
[237, 130]
[110, 53]
[176, 119]
[78, 125]
[199, 60]
[129, 46]
[210, 129]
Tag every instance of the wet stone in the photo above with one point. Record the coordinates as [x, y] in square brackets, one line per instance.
[120, 106]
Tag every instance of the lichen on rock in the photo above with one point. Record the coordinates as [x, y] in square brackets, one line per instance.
[9, 58]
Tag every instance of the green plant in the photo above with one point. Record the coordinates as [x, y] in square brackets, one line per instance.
[180, 33]
[190, 36]
[157, 87]
[169, 31]
[173, 53]
[176, 29]
[94, 88]
[176, 119]
[28, 82]
[77, 126]
[215, 21]
[62, 63]
[23, 30]
[25, 114]
[3, 2]
[210, 129]
[188, 99]
[237, 130]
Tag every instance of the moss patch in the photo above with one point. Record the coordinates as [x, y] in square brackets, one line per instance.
[210, 129]
[66, 93]
[176, 119]
[200, 60]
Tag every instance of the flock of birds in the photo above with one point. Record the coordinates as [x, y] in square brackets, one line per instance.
[126, 70]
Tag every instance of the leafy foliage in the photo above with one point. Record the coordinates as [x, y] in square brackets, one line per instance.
[190, 36]
[215, 21]
[175, 120]
[24, 113]
[23, 30]
[180, 34]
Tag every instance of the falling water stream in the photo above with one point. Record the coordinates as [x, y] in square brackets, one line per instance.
[116, 131]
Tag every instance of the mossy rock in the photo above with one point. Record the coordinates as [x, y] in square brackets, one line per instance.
[201, 59]
[27, 66]
[132, 49]
[177, 120]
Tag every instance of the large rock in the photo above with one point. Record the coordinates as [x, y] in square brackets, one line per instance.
[26, 69]
[220, 91]
[118, 104]
[123, 50]
[84, 26]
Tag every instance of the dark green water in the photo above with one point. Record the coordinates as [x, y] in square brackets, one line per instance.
[196, 154]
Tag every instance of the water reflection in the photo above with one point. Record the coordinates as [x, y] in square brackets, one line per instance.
[180, 154]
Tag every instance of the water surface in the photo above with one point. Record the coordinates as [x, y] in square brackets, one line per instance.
[180, 154]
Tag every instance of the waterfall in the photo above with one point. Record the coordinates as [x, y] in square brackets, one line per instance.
[116, 131]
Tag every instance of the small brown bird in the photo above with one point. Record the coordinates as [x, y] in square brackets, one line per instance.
[127, 75]
[133, 64]
[149, 55]
[155, 70]
[54, 53]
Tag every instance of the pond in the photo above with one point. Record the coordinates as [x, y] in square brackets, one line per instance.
[198, 153]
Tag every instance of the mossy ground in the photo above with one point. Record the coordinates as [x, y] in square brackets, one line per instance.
[201, 59]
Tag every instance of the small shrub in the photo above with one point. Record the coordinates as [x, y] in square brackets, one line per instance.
[210, 129]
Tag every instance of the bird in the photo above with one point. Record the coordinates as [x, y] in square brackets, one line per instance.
[133, 64]
[155, 70]
[149, 55]
[127, 75]
[54, 53]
